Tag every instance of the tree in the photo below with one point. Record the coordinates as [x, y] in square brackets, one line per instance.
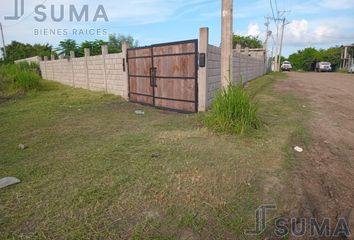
[16, 50]
[66, 46]
[307, 58]
[247, 42]
[94, 46]
[114, 45]
[332, 55]
[304, 59]
[115, 42]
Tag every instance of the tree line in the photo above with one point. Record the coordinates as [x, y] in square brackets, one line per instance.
[114, 44]
[307, 58]
[304, 60]
[17, 50]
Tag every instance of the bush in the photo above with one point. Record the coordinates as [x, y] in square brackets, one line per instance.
[18, 78]
[26, 80]
[232, 111]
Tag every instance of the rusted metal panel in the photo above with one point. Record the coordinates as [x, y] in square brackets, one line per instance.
[165, 75]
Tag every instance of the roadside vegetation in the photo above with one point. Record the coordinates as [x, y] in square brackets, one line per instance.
[233, 111]
[306, 59]
[18, 79]
[17, 50]
[93, 169]
[246, 41]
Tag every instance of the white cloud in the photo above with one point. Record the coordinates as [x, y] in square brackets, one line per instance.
[321, 31]
[298, 28]
[253, 30]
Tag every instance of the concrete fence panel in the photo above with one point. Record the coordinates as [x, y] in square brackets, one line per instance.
[109, 72]
[97, 73]
[35, 59]
[248, 64]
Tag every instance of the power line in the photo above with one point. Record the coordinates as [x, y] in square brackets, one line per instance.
[271, 6]
[276, 6]
[280, 22]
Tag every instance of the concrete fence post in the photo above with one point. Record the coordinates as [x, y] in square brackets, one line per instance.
[238, 48]
[202, 73]
[45, 74]
[52, 58]
[247, 51]
[72, 56]
[87, 55]
[125, 47]
[104, 49]
[248, 73]
[61, 57]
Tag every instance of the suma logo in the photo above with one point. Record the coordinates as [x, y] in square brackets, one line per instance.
[59, 13]
[19, 10]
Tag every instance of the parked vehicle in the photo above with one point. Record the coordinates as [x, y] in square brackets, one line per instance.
[351, 69]
[323, 67]
[286, 66]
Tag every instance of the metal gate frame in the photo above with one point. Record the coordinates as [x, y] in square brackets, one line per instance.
[153, 76]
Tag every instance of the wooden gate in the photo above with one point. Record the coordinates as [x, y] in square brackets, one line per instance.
[165, 75]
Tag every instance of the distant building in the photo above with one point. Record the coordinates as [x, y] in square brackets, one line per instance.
[347, 56]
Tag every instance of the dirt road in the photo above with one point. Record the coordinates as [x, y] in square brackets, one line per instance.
[323, 181]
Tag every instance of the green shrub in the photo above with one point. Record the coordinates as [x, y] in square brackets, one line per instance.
[29, 67]
[18, 78]
[232, 111]
[26, 80]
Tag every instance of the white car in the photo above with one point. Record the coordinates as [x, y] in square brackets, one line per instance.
[351, 69]
[323, 67]
[286, 66]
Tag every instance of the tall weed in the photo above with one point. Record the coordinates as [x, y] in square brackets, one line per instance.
[232, 111]
[18, 78]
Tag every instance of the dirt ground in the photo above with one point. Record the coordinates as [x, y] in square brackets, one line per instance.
[323, 180]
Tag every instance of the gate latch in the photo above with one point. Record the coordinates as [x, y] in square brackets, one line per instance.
[201, 59]
[153, 77]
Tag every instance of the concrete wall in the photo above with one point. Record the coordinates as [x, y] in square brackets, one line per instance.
[105, 72]
[97, 73]
[35, 59]
[254, 52]
[247, 65]
[245, 68]
[213, 72]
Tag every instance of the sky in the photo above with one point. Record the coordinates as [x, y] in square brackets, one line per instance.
[310, 23]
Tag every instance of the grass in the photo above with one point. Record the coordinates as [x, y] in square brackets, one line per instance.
[345, 71]
[17, 79]
[233, 111]
[95, 170]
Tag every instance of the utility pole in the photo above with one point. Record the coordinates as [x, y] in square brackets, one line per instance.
[265, 45]
[276, 50]
[268, 33]
[281, 43]
[3, 40]
[280, 38]
[226, 42]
